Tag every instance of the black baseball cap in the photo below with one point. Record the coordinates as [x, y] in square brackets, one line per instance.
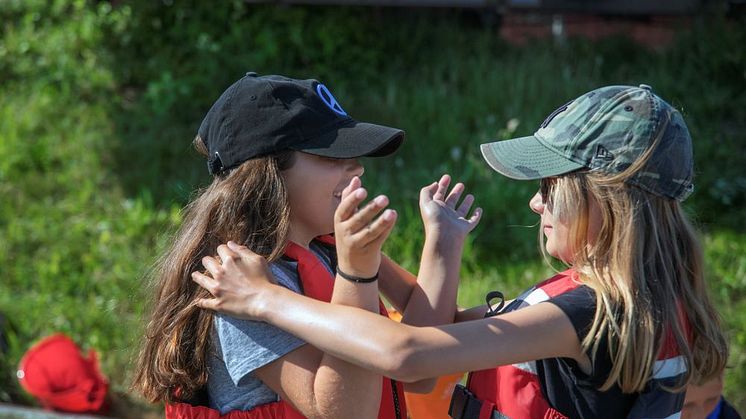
[262, 115]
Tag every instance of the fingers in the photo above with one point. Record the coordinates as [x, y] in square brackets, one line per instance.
[377, 231]
[227, 256]
[438, 191]
[230, 256]
[475, 217]
[364, 216]
[349, 204]
[426, 193]
[243, 251]
[346, 207]
[212, 265]
[455, 195]
[354, 184]
[443, 183]
[205, 282]
[208, 303]
[466, 204]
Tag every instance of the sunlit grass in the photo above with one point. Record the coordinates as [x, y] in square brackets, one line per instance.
[95, 160]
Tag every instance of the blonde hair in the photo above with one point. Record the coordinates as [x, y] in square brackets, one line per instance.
[646, 268]
[248, 204]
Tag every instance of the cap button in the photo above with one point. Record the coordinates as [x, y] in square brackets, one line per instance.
[646, 87]
[251, 74]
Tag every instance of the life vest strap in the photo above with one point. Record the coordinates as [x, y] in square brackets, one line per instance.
[464, 405]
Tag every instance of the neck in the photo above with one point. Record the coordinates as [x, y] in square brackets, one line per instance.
[300, 236]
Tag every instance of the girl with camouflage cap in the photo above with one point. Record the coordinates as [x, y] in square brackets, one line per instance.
[618, 334]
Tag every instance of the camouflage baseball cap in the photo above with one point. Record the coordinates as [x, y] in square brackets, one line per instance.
[606, 129]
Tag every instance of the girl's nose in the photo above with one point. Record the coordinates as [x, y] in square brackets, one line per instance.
[356, 168]
[536, 204]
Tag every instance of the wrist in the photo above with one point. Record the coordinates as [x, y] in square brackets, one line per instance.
[355, 278]
[445, 233]
[262, 308]
[442, 245]
[363, 270]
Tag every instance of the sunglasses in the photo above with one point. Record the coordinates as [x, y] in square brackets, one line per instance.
[546, 186]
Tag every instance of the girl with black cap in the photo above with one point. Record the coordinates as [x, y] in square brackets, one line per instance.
[284, 156]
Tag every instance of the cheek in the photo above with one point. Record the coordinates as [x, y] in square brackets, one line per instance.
[558, 243]
[595, 223]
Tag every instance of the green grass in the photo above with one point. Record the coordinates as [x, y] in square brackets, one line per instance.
[99, 105]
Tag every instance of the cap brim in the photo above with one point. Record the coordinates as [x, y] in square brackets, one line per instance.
[526, 158]
[356, 139]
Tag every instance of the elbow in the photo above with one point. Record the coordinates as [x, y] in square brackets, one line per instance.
[425, 386]
[364, 402]
[403, 360]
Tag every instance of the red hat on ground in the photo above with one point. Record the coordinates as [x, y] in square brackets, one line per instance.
[55, 372]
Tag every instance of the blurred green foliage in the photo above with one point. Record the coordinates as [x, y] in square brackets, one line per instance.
[100, 102]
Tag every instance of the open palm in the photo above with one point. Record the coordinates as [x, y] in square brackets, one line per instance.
[443, 214]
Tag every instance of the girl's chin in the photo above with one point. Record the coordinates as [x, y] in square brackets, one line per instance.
[551, 251]
[554, 254]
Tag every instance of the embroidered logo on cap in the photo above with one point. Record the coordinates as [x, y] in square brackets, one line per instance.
[603, 154]
[329, 100]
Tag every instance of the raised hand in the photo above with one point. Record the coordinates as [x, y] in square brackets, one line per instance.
[442, 213]
[360, 233]
[236, 281]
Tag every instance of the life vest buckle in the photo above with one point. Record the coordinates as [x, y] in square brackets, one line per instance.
[464, 405]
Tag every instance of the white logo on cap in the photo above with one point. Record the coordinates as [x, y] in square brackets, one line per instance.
[329, 100]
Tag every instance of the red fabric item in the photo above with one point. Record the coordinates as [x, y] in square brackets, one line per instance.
[515, 389]
[516, 392]
[485, 412]
[317, 283]
[276, 410]
[60, 378]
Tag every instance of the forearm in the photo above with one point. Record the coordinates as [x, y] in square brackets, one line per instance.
[474, 313]
[373, 342]
[342, 389]
[396, 283]
[360, 337]
[433, 300]
[408, 353]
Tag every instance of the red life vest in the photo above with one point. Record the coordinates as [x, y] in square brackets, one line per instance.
[514, 391]
[318, 283]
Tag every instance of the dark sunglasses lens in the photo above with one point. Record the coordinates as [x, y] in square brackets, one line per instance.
[543, 189]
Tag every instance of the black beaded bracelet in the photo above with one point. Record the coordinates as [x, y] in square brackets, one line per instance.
[357, 279]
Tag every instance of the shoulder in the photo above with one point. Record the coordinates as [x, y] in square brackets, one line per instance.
[564, 288]
[560, 283]
[325, 251]
[245, 345]
[285, 272]
[727, 411]
[579, 305]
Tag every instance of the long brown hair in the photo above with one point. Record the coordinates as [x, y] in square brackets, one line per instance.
[248, 204]
[646, 266]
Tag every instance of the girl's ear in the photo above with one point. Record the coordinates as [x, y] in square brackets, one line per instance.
[286, 159]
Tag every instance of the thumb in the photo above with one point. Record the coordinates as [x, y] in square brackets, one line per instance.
[475, 218]
[240, 249]
[427, 193]
[206, 303]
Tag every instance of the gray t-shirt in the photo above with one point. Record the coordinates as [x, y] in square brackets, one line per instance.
[242, 346]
